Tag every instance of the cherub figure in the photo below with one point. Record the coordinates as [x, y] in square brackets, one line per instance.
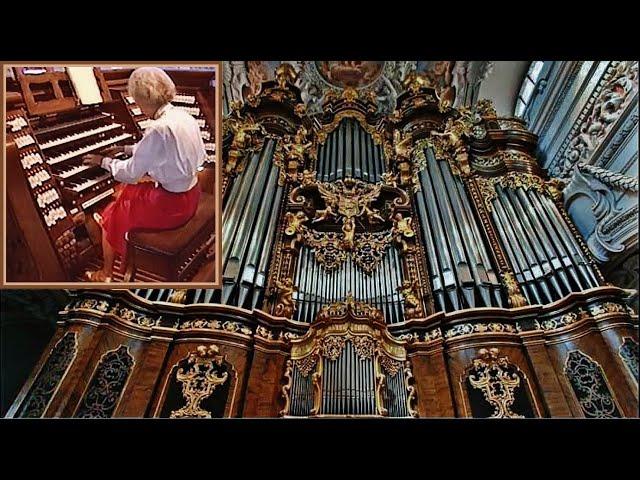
[401, 145]
[285, 305]
[324, 214]
[296, 149]
[409, 291]
[349, 230]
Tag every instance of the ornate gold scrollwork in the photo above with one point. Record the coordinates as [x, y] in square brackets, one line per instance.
[306, 364]
[403, 231]
[514, 293]
[411, 389]
[199, 381]
[450, 144]
[179, 295]
[245, 139]
[369, 250]
[286, 75]
[295, 223]
[332, 346]
[497, 381]
[316, 381]
[286, 388]
[381, 379]
[486, 109]
[487, 192]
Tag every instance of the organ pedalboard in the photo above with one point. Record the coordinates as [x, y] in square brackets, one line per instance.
[190, 103]
[49, 150]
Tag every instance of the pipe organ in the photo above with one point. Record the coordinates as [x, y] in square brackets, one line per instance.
[51, 194]
[412, 264]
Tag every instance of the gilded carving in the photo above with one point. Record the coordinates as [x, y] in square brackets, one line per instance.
[470, 328]
[332, 346]
[291, 156]
[286, 388]
[285, 305]
[497, 381]
[390, 365]
[286, 75]
[306, 364]
[363, 345]
[295, 222]
[514, 293]
[199, 381]
[411, 389]
[410, 291]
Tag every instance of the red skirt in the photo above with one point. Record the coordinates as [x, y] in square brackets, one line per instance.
[147, 207]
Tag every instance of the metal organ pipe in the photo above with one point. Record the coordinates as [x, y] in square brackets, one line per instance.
[540, 244]
[318, 287]
[349, 151]
[249, 226]
[461, 272]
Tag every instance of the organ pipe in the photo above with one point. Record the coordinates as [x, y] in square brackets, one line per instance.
[546, 258]
[349, 151]
[317, 287]
[462, 275]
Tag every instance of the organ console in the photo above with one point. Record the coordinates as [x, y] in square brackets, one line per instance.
[51, 194]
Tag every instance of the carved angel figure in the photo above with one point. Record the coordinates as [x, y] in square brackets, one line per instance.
[410, 293]
[349, 230]
[402, 145]
[284, 302]
[297, 148]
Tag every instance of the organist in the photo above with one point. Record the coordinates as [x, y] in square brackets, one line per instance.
[161, 177]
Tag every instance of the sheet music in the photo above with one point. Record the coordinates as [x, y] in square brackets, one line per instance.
[85, 84]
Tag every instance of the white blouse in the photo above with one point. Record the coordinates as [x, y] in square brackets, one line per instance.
[170, 152]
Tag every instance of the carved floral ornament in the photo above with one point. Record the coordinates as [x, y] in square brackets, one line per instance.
[497, 379]
[344, 202]
[199, 380]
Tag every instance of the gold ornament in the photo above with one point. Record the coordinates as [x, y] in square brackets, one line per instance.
[199, 381]
[497, 381]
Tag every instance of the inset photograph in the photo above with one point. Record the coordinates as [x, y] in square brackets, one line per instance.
[110, 175]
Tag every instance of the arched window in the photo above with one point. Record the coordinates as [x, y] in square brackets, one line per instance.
[528, 87]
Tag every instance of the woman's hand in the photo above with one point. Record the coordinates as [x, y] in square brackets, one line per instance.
[111, 151]
[92, 160]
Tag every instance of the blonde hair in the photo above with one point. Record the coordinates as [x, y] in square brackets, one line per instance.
[152, 86]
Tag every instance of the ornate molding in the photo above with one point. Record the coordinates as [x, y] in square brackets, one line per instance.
[617, 87]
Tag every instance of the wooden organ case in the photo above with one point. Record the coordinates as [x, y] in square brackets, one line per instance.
[410, 264]
[50, 193]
